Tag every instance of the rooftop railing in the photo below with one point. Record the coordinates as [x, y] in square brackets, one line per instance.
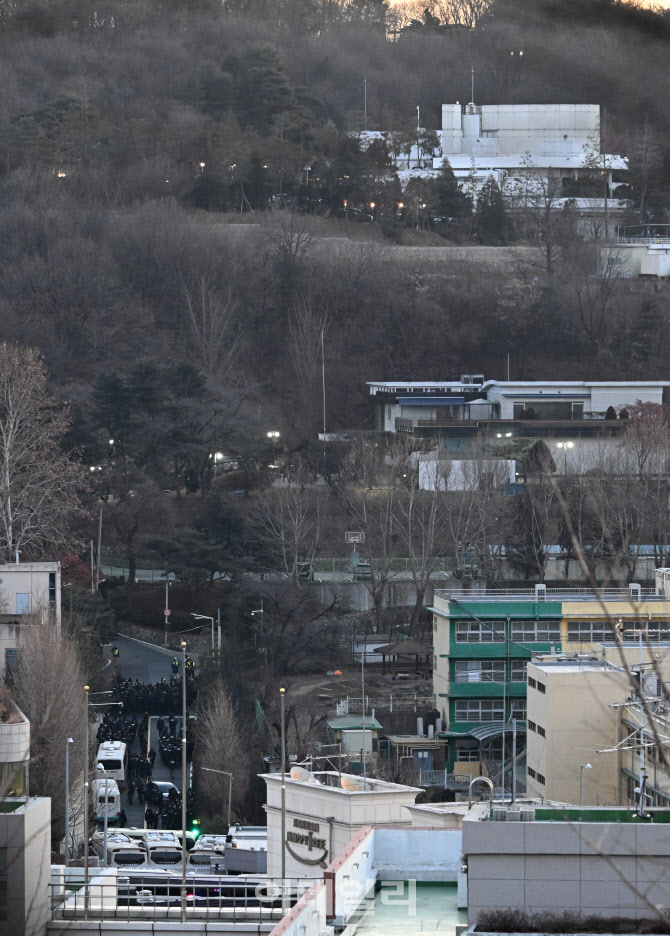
[150, 899]
[548, 594]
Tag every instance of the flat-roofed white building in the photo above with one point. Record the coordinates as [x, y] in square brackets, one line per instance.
[324, 813]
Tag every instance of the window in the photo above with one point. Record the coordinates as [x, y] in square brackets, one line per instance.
[532, 683]
[577, 410]
[531, 725]
[467, 754]
[542, 688]
[478, 710]
[11, 657]
[536, 631]
[22, 603]
[540, 779]
[589, 631]
[474, 632]
[651, 630]
[517, 670]
[473, 671]
[540, 730]
[531, 772]
[518, 709]
[52, 590]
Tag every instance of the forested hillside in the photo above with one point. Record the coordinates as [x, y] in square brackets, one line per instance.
[156, 210]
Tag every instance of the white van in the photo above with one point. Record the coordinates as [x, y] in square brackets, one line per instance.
[122, 851]
[114, 758]
[113, 799]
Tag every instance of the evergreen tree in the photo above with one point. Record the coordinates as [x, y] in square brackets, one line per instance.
[490, 216]
[450, 201]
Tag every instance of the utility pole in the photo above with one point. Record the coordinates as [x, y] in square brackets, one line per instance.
[365, 102]
[282, 693]
[183, 781]
[97, 563]
[167, 607]
[86, 896]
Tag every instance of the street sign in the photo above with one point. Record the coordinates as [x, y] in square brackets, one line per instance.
[167, 612]
[356, 536]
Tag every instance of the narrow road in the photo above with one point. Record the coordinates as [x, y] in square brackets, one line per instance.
[149, 664]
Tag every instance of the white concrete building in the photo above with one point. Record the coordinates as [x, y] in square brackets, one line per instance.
[29, 592]
[408, 406]
[514, 143]
[323, 815]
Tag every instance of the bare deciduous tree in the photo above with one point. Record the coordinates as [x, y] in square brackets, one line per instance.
[38, 482]
[48, 688]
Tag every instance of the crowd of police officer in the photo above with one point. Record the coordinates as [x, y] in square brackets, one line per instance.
[161, 698]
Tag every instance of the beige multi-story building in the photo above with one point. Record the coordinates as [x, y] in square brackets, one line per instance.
[30, 592]
[574, 713]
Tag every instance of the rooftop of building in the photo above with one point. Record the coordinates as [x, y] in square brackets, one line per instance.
[575, 666]
[342, 783]
[354, 722]
[540, 594]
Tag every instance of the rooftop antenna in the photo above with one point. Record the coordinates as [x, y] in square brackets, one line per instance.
[365, 102]
[472, 84]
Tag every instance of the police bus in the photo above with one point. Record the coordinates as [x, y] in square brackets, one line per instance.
[113, 755]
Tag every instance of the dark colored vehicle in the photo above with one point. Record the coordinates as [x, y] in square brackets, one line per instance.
[158, 792]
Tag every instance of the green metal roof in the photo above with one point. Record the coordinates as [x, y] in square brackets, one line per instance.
[353, 723]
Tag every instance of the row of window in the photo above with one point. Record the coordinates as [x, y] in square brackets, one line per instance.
[496, 631]
[536, 776]
[487, 710]
[550, 631]
[474, 671]
[532, 726]
[536, 684]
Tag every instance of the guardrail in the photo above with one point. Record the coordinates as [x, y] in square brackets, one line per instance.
[548, 595]
[133, 898]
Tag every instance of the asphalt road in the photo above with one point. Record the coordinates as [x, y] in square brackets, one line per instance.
[139, 660]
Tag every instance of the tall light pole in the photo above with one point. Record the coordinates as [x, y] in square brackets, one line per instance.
[582, 768]
[228, 774]
[167, 607]
[565, 446]
[68, 742]
[86, 802]
[104, 820]
[183, 781]
[205, 617]
[282, 693]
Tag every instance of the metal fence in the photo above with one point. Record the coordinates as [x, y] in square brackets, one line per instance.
[133, 898]
[353, 705]
[441, 778]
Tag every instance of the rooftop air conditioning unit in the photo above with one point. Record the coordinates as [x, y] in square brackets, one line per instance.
[635, 591]
[540, 592]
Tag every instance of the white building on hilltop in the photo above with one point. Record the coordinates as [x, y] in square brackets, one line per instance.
[514, 144]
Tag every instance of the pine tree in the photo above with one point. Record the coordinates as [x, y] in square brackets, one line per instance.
[490, 216]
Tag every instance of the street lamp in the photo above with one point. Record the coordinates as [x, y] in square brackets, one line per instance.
[565, 446]
[104, 820]
[206, 617]
[582, 768]
[184, 749]
[230, 785]
[68, 742]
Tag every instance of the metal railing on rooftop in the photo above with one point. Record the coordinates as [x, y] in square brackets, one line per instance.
[400, 703]
[150, 899]
[548, 594]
